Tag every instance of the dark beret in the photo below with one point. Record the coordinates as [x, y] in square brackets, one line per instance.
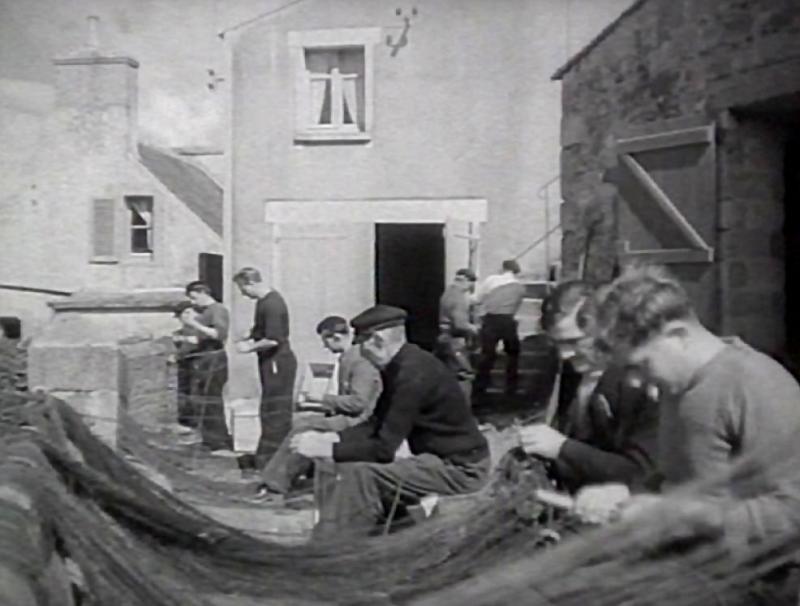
[376, 318]
[467, 273]
[182, 306]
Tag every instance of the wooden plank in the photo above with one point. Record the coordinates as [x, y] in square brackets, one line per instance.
[666, 256]
[663, 201]
[675, 138]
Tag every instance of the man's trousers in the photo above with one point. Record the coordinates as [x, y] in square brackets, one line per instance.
[277, 374]
[496, 328]
[353, 498]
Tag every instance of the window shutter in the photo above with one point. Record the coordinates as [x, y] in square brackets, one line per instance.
[103, 238]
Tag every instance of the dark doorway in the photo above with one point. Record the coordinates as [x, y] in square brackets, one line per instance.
[791, 232]
[209, 270]
[409, 273]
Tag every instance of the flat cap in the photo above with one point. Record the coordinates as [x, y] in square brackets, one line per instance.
[467, 273]
[376, 318]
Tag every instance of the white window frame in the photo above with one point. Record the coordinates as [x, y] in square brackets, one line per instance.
[130, 228]
[299, 42]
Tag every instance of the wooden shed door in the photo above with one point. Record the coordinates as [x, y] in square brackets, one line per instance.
[666, 178]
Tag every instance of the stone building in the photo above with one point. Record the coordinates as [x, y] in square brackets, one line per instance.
[681, 144]
[95, 209]
[379, 146]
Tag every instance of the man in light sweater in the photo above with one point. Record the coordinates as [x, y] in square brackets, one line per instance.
[500, 297]
[729, 420]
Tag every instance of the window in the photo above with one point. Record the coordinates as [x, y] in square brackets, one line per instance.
[333, 92]
[140, 210]
[335, 88]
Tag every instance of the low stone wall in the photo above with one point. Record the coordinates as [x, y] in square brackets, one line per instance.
[107, 355]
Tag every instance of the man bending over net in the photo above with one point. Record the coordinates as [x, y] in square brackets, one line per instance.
[604, 426]
[421, 402]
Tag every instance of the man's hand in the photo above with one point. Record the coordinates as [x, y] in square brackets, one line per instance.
[639, 505]
[244, 347]
[188, 317]
[601, 503]
[670, 519]
[314, 444]
[542, 440]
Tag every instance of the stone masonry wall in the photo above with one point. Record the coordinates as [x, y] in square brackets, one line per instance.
[698, 61]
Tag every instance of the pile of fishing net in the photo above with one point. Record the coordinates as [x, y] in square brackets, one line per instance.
[135, 543]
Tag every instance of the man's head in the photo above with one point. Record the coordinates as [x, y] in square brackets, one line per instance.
[199, 293]
[248, 279]
[335, 334]
[510, 265]
[465, 280]
[645, 319]
[381, 332]
[568, 319]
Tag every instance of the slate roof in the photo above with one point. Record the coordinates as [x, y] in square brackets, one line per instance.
[189, 183]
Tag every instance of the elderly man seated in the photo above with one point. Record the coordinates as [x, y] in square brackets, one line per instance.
[422, 402]
[604, 428]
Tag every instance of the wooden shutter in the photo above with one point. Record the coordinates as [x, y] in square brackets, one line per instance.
[209, 267]
[103, 233]
[666, 179]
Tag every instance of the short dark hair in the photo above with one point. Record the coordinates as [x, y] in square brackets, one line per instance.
[198, 286]
[563, 300]
[333, 325]
[182, 307]
[637, 305]
[511, 265]
[247, 275]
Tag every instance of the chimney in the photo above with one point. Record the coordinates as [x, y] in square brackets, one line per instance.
[96, 97]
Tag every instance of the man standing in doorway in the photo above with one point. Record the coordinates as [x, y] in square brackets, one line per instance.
[277, 365]
[500, 296]
[456, 328]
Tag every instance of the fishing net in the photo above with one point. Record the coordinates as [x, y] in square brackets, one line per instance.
[135, 542]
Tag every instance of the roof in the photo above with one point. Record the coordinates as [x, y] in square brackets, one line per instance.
[605, 33]
[189, 183]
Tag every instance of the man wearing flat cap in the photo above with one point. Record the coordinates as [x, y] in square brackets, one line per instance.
[422, 403]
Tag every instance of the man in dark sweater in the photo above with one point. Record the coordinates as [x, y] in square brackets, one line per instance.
[604, 426]
[277, 365]
[422, 403]
[729, 418]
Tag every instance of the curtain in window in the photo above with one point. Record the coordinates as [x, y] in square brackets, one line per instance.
[350, 99]
[142, 209]
[319, 90]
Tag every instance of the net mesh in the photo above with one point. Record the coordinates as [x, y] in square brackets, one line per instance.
[135, 542]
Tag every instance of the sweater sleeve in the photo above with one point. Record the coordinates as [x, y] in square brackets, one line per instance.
[365, 386]
[629, 459]
[408, 394]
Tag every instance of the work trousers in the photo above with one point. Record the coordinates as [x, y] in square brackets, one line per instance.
[277, 374]
[353, 498]
[496, 328]
[208, 375]
[286, 466]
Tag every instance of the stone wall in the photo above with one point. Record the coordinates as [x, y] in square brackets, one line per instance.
[107, 355]
[699, 62]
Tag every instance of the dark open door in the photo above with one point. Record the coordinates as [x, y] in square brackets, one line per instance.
[210, 271]
[409, 273]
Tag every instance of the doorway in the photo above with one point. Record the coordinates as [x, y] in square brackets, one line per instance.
[791, 234]
[409, 273]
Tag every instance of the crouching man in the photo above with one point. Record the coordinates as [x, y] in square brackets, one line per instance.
[421, 402]
[728, 415]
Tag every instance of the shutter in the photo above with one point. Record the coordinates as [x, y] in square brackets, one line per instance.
[103, 236]
[209, 267]
[667, 182]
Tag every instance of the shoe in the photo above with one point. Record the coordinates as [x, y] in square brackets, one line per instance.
[264, 494]
[247, 462]
[226, 453]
